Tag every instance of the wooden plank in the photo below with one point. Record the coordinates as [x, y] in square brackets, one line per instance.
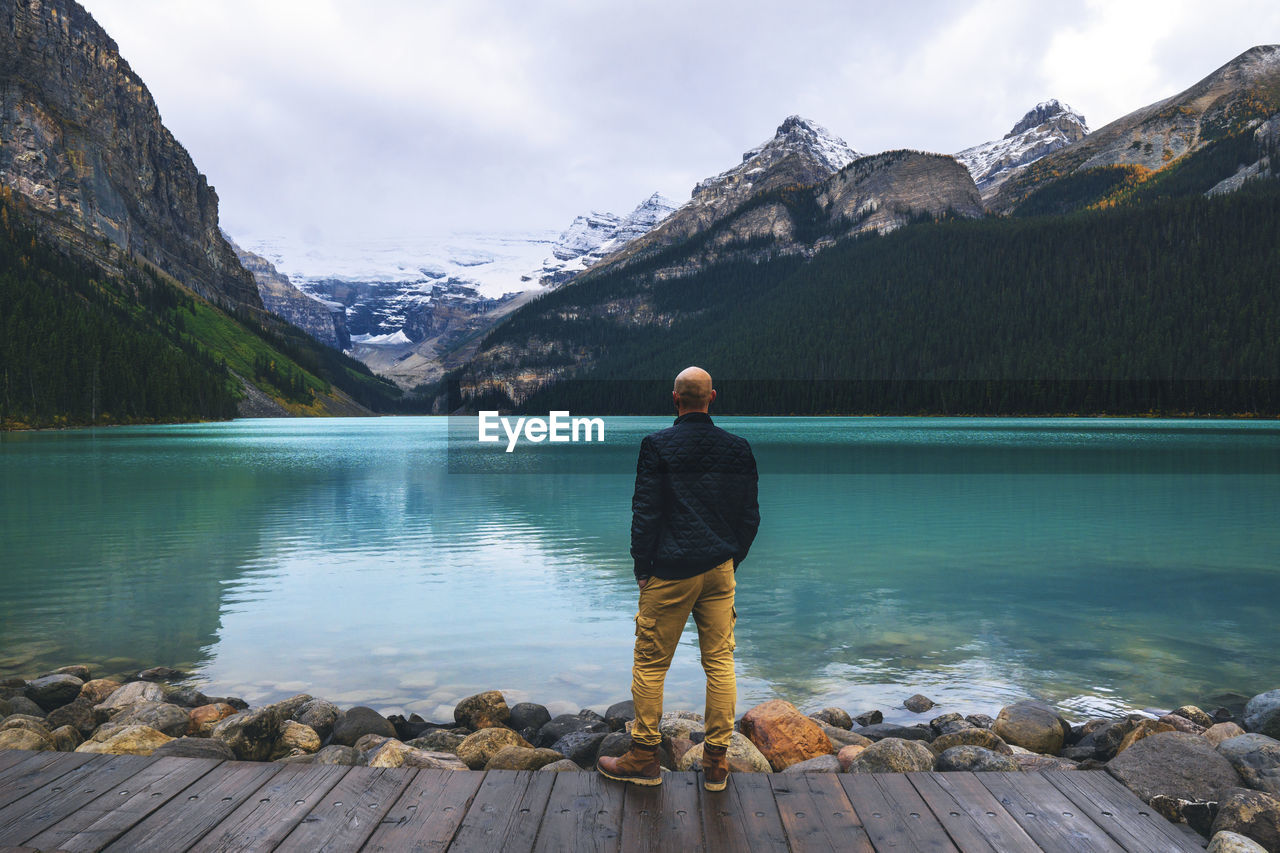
[37, 770]
[263, 820]
[893, 813]
[492, 810]
[1132, 823]
[10, 757]
[350, 812]
[65, 795]
[526, 822]
[204, 804]
[1053, 821]
[817, 814]
[976, 822]
[106, 818]
[743, 817]
[583, 814]
[667, 817]
[428, 812]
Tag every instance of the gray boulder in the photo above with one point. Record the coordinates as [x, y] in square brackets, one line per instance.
[196, 747]
[53, 691]
[77, 713]
[251, 734]
[619, 714]
[347, 756]
[358, 722]
[1256, 758]
[975, 759]
[529, 715]
[580, 747]
[483, 711]
[918, 703]
[837, 717]
[565, 724]
[893, 755]
[23, 705]
[1262, 714]
[560, 766]
[1233, 842]
[880, 731]
[1032, 725]
[817, 764]
[1253, 814]
[319, 715]
[1175, 764]
[439, 740]
[160, 716]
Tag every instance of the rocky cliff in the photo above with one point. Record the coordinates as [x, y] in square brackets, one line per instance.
[80, 136]
[885, 191]
[1244, 91]
[1045, 128]
[596, 235]
[324, 321]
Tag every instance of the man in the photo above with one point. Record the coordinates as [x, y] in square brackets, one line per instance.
[693, 518]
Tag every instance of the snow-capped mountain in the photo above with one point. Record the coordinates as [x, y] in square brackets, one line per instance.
[597, 235]
[796, 135]
[1050, 125]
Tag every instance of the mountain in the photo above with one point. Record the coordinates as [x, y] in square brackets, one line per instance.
[596, 235]
[83, 141]
[1050, 125]
[324, 321]
[1233, 99]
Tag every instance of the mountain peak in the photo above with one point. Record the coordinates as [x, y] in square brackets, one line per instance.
[798, 132]
[1043, 112]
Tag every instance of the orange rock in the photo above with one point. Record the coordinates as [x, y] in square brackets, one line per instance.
[204, 718]
[99, 689]
[784, 735]
[1146, 728]
[846, 755]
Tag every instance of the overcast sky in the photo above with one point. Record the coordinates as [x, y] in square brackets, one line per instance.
[393, 117]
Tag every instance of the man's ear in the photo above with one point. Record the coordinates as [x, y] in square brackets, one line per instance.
[712, 398]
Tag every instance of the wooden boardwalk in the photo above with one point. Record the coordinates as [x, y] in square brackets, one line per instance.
[78, 802]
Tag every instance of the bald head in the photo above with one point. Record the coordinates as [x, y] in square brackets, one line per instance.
[693, 391]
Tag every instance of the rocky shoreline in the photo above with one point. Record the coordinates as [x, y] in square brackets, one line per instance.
[1217, 771]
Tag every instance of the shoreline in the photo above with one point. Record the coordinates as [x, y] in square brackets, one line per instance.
[1188, 763]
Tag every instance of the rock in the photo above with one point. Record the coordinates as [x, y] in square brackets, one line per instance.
[1036, 761]
[294, 735]
[133, 693]
[439, 740]
[53, 691]
[125, 740]
[834, 717]
[880, 731]
[588, 714]
[6, 709]
[742, 754]
[843, 737]
[393, 753]
[522, 758]
[1195, 715]
[975, 759]
[948, 723]
[681, 724]
[1219, 732]
[409, 729]
[1143, 729]
[97, 690]
[250, 734]
[580, 747]
[318, 715]
[23, 705]
[1180, 723]
[679, 749]
[893, 755]
[619, 714]
[1032, 725]
[204, 719]
[1175, 764]
[846, 755]
[161, 716]
[1262, 714]
[78, 713]
[195, 747]
[529, 715]
[300, 758]
[483, 711]
[161, 673]
[478, 748]
[560, 766]
[66, 738]
[1256, 758]
[358, 722]
[19, 738]
[1199, 816]
[970, 737]
[818, 764]
[783, 735]
[1253, 814]
[1233, 842]
[23, 721]
[562, 725]
[188, 697]
[869, 718]
[615, 744]
[79, 670]
[347, 756]
[982, 721]
[918, 704]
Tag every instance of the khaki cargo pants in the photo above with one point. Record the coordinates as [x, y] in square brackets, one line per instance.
[665, 606]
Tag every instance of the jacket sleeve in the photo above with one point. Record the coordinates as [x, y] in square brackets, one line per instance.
[749, 518]
[646, 508]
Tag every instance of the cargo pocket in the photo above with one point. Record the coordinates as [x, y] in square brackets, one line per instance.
[646, 637]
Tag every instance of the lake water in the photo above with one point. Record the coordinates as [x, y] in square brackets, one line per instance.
[1097, 564]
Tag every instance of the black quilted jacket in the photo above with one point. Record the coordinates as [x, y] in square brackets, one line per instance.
[695, 503]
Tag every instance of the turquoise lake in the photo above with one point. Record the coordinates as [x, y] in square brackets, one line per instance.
[1097, 564]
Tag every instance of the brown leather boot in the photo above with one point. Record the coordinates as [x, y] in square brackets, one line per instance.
[715, 767]
[638, 765]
